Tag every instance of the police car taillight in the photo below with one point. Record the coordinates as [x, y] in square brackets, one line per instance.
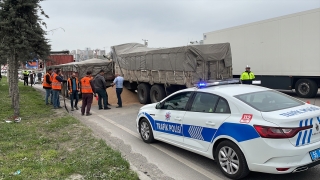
[278, 132]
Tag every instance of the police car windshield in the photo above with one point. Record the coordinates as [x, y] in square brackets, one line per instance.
[267, 101]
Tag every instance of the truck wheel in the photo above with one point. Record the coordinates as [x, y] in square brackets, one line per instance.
[157, 93]
[144, 93]
[231, 160]
[306, 88]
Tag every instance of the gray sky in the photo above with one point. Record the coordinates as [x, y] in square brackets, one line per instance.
[165, 23]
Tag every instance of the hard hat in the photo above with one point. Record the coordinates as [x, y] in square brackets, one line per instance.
[247, 66]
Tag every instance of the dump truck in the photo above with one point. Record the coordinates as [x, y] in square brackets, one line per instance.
[155, 73]
[283, 52]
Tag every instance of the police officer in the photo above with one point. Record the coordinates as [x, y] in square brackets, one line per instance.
[247, 76]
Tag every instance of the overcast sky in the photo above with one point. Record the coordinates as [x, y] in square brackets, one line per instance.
[164, 23]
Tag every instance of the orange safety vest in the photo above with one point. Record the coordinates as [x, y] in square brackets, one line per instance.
[86, 86]
[70, 84]
[45, 84]
[56, 85]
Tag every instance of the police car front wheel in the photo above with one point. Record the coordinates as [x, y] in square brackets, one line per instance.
[146, 131]
[231, 160]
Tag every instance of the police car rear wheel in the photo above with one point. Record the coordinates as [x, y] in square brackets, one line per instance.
[231, 160]
[146, 131]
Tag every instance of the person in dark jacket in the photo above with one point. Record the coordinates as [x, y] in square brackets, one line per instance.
[100, 88]
[40, 76]
[73, 90]
[32, 78]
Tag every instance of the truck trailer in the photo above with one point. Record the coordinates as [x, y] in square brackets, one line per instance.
[155, 73]
[283, 52]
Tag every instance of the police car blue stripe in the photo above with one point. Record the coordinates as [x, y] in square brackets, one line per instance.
[150, 119]
[299, 136]
[318, 118]
[197, 132]
[310, 131]
[305, 133]
[240, 132]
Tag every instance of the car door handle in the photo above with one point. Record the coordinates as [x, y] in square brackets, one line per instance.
[177, 118]
[209, 123]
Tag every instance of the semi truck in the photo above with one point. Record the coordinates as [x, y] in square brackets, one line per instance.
[155, 73]
[283, 52]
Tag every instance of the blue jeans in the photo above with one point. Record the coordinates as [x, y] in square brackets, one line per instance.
[119, 91]
[74, 95]
[56, 98]
[102, 95]
[48, 93]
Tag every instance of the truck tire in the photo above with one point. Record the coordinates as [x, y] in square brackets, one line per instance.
[157, 93]
[144, 93]
[306, 88]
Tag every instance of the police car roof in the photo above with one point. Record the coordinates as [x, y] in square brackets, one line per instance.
[233, 89]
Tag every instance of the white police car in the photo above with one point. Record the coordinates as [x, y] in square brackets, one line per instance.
[243, 127]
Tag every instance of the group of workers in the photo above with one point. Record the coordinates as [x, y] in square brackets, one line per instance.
[32, 76]
[88, 86]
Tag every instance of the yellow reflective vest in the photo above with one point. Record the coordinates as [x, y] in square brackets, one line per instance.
[247, 76]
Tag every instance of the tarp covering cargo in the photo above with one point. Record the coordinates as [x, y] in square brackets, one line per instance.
[93, 65]
[134, 56]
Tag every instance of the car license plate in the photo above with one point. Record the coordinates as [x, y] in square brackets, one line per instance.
[315, 154]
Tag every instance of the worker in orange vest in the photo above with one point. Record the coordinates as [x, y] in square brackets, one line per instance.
[56, 88]
[87, 90]
[47, 81]
[73, 89]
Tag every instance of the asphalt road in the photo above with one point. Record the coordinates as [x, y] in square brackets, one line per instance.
[160, 160]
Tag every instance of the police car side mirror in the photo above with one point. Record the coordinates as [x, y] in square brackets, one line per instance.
[159, 105]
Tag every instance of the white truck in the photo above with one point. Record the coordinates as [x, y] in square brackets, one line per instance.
[283, 52]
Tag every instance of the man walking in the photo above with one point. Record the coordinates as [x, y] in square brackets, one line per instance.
[25, 77]
[73, 89]
[47, 81]
[87, 89]
[56, 88]
[32, 78]
[39, 77]
[118, 81]
[247, 76]
[100, 88]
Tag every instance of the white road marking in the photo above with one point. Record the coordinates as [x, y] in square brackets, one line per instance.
[173, 155]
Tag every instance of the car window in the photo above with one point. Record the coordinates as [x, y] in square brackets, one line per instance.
[177, 102]
[222, 106]
[204, 102]
[267, 101]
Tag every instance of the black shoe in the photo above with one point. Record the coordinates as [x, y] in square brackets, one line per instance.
[100, 108]
[82, 114]
[59, 107]
[72, 109]
[106, 108]
[77, 108]
[109, 104]
[88, 114]
[119, 107]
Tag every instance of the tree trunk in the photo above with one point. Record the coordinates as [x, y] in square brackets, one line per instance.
[15, 88]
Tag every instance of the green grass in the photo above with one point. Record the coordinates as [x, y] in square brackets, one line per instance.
[51, 145]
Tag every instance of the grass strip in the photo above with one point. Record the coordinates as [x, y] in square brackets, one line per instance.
[50, 144]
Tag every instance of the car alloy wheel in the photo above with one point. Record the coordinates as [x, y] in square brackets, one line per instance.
[146, 131]
[231, 160]
[228, 160]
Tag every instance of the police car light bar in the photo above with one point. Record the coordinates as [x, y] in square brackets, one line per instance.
[203, 84]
